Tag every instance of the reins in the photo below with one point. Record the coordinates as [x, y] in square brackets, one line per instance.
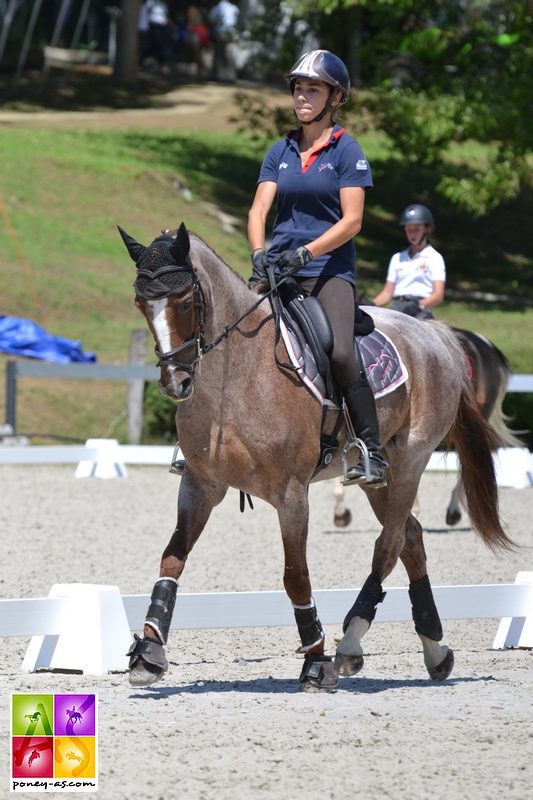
[229, 328]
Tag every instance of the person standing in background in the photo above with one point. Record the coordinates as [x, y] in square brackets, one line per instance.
[224, 17]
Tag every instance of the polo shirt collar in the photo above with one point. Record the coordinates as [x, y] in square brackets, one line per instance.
[296, 135]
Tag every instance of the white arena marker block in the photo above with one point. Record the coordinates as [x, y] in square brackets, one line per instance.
[94, 632]
[514, 467]
[517, 631]
[106, 465]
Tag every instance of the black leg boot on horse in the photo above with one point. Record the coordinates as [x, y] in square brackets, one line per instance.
[361, 408]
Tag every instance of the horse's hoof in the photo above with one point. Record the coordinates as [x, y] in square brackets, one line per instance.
[348, 665]
[453, 517]
[318, 674]
[342, 520]
[442, 670]
[143, 674]
[147, 661]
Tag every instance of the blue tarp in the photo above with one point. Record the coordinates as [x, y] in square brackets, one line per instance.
[22, 337]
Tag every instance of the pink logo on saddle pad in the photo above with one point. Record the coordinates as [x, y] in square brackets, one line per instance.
[384, 367]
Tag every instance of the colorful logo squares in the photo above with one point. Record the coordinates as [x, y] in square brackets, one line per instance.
[53, 742]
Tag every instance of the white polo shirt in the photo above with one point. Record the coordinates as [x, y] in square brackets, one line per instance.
[415, 276]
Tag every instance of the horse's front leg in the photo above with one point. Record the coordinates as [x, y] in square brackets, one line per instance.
[196, 500]
[318, 672]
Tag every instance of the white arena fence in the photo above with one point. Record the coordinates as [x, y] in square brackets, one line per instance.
[87, 628]
[106, 458]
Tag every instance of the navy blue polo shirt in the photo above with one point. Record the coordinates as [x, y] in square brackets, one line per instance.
[308, 200]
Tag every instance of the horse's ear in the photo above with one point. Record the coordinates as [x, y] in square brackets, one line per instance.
[134, 248]
[181, 245]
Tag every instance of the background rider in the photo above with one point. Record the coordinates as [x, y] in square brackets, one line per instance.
[416, 277]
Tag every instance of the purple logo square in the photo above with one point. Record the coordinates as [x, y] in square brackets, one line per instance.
[75, 715]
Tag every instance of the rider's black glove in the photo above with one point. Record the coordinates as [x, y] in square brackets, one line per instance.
[259, 267]
[293, 260]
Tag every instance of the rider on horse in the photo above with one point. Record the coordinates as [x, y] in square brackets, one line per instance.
[416, 276]
[318, 176]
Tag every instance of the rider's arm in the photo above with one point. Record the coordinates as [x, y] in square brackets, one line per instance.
[386, 294]
[257, 216]
[436, 297]
[352, 199]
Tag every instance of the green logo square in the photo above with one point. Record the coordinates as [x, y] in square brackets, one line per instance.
[32, 714]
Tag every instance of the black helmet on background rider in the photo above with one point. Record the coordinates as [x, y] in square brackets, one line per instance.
[323, 66]
[417, 215]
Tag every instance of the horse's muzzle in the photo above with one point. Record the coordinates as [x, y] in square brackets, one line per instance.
[177, 389]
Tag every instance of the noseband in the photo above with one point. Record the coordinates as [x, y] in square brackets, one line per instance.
[162, 282]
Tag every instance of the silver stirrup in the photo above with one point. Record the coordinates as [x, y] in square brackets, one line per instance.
[364, 457]
[352, 443]
[177, 464]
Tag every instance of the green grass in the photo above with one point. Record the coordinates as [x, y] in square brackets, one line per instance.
[63, 193]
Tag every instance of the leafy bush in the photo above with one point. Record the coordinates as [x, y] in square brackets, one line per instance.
[158, 416]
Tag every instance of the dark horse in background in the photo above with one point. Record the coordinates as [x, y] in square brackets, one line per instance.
[489, 371]
[244, 421]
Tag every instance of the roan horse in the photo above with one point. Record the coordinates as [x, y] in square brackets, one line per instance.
[489, 370]
[244, 413]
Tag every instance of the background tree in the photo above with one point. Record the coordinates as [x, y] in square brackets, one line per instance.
[444, 72]
[127, 57]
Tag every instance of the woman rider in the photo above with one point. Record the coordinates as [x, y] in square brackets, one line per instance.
[318, 176]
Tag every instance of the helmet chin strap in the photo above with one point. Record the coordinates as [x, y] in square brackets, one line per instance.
[417, 244]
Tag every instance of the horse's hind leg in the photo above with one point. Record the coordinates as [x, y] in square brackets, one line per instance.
[349, 658]
[453, 512]
[438, 658]
[147, 655]
[318, 672]
[342, 516]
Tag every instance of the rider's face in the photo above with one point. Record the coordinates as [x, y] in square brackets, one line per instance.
[309, 98]
[415, 233]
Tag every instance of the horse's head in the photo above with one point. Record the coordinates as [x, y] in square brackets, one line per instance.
[168, 293]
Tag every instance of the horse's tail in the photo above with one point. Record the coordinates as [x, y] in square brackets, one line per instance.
[474, 440]
[497, 419]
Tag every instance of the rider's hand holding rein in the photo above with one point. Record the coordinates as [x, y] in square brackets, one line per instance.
[290, 261]
[259, 268]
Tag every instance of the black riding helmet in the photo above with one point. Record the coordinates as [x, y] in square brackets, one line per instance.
[417, 215]
[323, 66]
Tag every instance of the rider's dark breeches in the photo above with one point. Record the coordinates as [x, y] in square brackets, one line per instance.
[338, 299]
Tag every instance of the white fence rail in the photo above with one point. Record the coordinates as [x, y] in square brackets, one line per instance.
[105, 458]
[87, 628]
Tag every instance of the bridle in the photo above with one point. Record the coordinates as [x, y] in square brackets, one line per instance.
[155, 289]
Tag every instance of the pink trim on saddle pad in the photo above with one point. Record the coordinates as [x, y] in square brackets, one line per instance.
[304, 363]
[384, 367]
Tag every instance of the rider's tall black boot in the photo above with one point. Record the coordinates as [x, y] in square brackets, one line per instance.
[362, 410]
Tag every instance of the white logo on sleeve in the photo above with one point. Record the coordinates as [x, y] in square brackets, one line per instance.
[362, 164]
[283, 165]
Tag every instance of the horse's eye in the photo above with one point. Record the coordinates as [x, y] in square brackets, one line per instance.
[187, 305]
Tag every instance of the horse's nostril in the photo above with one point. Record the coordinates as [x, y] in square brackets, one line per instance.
[186, 387]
